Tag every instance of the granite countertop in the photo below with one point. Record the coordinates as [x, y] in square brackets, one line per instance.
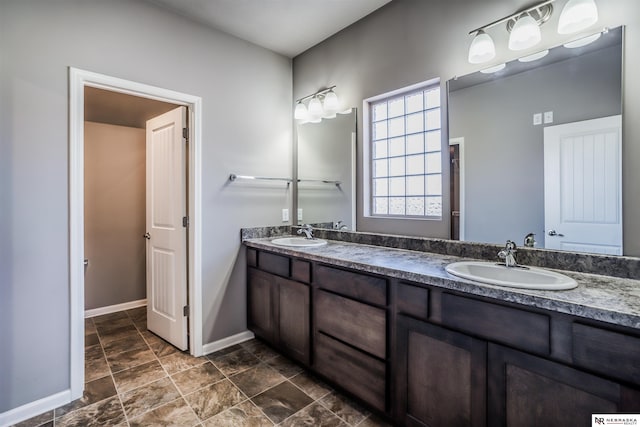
[604, 298]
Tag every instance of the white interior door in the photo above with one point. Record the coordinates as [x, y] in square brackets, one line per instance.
[166, 233]
[582, 186]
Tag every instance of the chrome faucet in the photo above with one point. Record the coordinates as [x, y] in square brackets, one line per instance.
[530, 240]
[307, 230]
[338, 225]
[508, 254]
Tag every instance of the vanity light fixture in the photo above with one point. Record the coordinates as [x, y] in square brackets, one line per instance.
[524, 29]
[577, 15]
[315, 109]
[525, 33]
[322, 104]
[482, 48]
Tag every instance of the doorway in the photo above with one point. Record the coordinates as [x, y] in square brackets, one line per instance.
[456, 188]
[78, 81]
[583, 186]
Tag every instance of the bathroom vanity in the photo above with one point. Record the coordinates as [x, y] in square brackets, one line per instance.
[425, 348]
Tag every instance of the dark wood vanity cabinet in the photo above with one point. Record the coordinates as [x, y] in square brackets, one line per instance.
[350, 332]
[526, 390]
[464, 361]
[441, 376]
[278, 308]
[427, 356]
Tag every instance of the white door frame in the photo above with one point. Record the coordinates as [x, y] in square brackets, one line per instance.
[78, 80]
[460, 143]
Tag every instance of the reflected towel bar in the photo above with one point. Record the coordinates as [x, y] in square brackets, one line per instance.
[233, 177]
[324, 181]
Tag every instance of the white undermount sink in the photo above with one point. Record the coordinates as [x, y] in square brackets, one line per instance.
[514, 277]
[298, 242]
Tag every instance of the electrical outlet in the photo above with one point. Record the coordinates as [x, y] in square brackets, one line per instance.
[537, 119]
[548, 117]
[300, 214]
[285, 215]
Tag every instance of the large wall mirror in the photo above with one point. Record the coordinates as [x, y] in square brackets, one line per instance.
[326, 172]
[536, 148]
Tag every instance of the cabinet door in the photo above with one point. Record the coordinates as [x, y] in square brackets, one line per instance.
[526, 390]
[261, 291]
[441, 376]
[293, 319]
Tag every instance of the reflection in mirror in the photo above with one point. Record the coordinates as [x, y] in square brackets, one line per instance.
[536, 148]
[326, 168]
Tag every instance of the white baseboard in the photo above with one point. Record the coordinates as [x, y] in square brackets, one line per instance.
[24, 412]
[114, 308]
[227, 342]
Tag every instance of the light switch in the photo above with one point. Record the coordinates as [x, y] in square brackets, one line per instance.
[299, 214]
[537, 119]
[285, 215]
[548, 117]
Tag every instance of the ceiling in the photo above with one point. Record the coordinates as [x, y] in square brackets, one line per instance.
[115, 108]
[288, 27]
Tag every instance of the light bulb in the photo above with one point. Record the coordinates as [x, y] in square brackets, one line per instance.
[577, 15]
[482, 48]
[525, 33]
[330, 105]
[315, 109]
[300, 112]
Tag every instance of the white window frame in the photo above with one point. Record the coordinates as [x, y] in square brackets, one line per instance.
[367, 161]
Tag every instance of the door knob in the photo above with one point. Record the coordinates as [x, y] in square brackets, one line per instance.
[147, 235]
[554, 233]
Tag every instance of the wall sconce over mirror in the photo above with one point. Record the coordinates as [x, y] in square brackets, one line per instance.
[323, 104]
[524, 27]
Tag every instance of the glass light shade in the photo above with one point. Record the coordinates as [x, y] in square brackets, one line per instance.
[300, 112]
[534, 56]
[525, 34]
[577, 15]
[330, 105]
[583, 41]
[315, 109]
[482, 48]
[494, 69]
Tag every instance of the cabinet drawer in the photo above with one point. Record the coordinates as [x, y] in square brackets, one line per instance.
[413, 301]
[301, 270]
[276, 264]
[360, 286]
[351, 369]
[358, 324]
[611, 353]
[519, 328]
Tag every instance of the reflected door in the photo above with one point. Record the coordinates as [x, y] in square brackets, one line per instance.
[582, 186]
[166, 231]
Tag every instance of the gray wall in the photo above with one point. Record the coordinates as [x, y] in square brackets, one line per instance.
[247, 108]
[114, 214]
[325, 152]
[410, 41]
[506, 201]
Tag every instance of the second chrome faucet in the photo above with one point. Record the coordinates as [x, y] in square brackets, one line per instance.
[307, 230]
[508, 254]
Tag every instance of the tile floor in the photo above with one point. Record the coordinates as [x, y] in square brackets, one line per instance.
[134, 378]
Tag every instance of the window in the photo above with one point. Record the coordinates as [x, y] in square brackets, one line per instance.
[406, 154]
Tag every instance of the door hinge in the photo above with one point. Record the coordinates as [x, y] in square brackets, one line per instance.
[185, 133]
[185, 311]
[185, 221]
